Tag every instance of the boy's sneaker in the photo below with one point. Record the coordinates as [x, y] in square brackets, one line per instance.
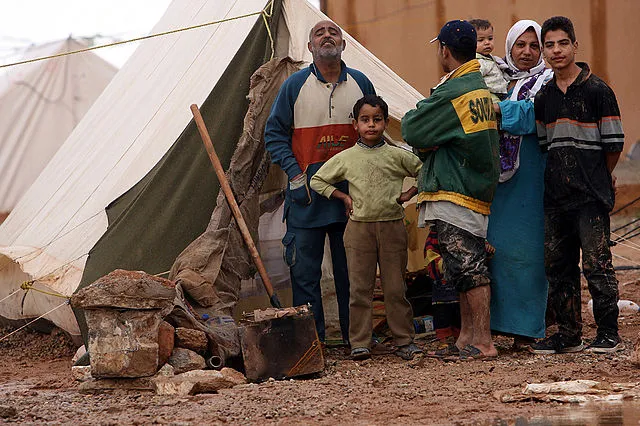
[605, 343]
[557, 344]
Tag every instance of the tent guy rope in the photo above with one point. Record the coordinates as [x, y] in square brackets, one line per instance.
[28, 285]
[5, 298]
[66, 302]
[625, 258]
[266, 13]
[630, 243]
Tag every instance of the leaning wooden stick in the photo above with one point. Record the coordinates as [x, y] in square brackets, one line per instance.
[226, 188]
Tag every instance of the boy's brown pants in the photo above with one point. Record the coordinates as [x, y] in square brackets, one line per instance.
[369, 244]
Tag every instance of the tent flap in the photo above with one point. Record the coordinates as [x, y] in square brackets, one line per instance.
[218, 260]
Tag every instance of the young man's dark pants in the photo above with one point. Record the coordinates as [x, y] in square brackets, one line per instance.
[566, 232]
[303, 252]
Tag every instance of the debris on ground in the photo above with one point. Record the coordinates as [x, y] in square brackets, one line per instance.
[35, 380]
[198, 381]
[572, 391]
[266, 335]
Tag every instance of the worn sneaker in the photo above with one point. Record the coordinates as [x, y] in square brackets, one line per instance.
[557, 344]
[605, 343]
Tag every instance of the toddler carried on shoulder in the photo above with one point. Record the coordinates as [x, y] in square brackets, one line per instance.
[488, 65]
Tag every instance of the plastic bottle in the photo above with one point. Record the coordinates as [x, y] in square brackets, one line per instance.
[624, 306]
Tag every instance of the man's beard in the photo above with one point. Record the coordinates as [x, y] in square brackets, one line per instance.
[328, 53]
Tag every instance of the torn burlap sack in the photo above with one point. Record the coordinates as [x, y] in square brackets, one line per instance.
[211, 268]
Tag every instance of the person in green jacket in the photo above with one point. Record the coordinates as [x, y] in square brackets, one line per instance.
[455, 133]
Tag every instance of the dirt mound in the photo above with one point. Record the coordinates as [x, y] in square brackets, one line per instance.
[36, 346]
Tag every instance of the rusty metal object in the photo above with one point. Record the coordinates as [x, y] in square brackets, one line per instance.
[280, 344]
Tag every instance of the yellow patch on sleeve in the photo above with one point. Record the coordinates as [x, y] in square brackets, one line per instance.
[475, 111]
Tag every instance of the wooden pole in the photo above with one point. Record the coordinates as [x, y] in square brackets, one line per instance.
[237, 214]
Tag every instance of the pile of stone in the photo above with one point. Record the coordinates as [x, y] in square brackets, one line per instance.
[142, 335]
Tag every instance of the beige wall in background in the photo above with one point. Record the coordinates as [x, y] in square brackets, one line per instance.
[398, 31]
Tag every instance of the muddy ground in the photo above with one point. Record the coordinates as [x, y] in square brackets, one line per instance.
[36, 386]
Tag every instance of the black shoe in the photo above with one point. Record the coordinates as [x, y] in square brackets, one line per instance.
[605, 343]
[557, 344]
[407, 352]
[359, 354]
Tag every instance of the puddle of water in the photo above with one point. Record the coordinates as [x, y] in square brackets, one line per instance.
[593, 414]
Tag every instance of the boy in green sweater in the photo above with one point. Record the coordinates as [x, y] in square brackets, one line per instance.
[375, 234]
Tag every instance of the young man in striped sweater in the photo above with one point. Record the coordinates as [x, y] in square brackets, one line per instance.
[579, 125]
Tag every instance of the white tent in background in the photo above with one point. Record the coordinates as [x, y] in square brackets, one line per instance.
[40, 104]
[123, 146]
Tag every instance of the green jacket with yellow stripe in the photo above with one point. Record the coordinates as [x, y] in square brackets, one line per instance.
[455, 133]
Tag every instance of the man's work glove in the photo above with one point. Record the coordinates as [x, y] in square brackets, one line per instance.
[299, 189]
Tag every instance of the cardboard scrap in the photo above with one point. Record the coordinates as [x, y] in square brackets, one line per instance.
[572, 391]
[273, 313]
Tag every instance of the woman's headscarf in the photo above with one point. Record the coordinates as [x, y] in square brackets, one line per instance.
[511, 71]
[528, 83]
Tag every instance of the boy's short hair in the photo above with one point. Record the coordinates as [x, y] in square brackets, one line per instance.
[559, 23]
[462, 55]
[481, 24]
[372, 100]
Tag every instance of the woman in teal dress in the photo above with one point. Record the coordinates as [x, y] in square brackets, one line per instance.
[516, 223]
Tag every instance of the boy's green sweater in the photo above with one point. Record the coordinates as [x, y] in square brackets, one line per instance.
[455, 133]
[375, 177]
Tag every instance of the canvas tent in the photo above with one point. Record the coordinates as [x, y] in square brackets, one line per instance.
[40, 104]
[132, 186]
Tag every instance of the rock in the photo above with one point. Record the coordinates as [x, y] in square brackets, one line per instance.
[7, 411]
[81, 373]
[127, 290]
[124, 310]
[189, 338]
[166, 341]
[183, 360]
[166, 371]
[198, 381]
[123, 343]
[79, 353]
[233, 376]
[102, 385]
